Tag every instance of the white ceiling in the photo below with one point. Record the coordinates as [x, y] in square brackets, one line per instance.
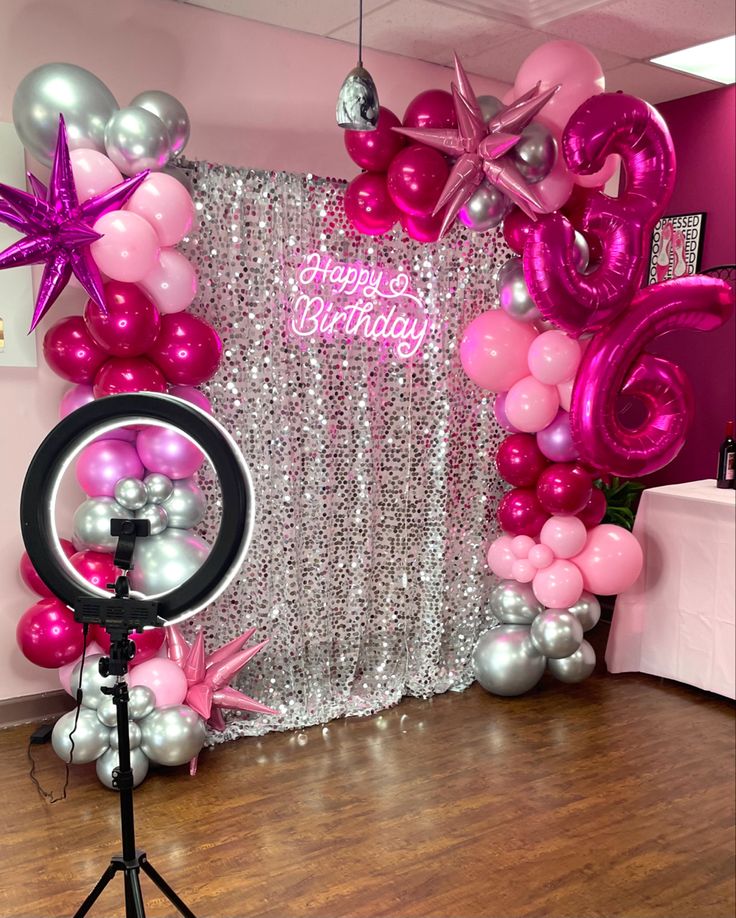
[492, 37]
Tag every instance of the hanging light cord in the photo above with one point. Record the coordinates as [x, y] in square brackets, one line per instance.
[360, 33]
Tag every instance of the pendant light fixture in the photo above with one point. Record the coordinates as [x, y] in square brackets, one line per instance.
[357, 103]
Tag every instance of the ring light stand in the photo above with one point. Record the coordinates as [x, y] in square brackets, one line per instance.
[124, 612]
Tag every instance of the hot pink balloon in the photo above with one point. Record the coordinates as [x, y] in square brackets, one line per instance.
[28, 571]
[594, 511]
[531, 405]
[564, 488]
[96, 567]
[190, 394]
[432, 108]
[541, 556]
[565, 535]
[558, 586]
[171, 283]
[423, 229]
[553, 357]
[523, 571]
[128, 374]
[415, 179]
[164, 203]
[555, 441]
[500, 557]
[187, 349]
[147, 644]
[520, 461]
[374, 150]
[165, 679]
[516, 227]
[128, 325]
[103, 463]
[368, 204]
[82, 395]
[71, 351]
[93, 173]
[48, 635]
[166, 451]
[611, 560]
[128, 249]
[493, 351]
[520, 513]
[499, 412]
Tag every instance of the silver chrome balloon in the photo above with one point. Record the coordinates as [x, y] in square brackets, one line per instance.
[357, 102]
[556, 633]
[142, 702]
[575, 668]
[163, 562]
[157, 517]
[158, 487]
[53, 89]
[587, 610]
[108, 762]
[91, 738]
[170, 110]
[489, 107]
[180, 175]
[534, 155]
[485, 208]
[514, 603]
[107, 711]
[92, 681]
[505, 661]
[581, 256]
[187, 504]
[136, 139]
[513, 293]
[91, 526]
[131, 493]
[134, 735]
[172, 735]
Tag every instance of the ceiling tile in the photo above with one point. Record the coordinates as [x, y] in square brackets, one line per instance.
[644, 28]
[655, 84]
[316, 16]
[428, 31]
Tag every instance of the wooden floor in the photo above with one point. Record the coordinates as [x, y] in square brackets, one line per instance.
[615, 797]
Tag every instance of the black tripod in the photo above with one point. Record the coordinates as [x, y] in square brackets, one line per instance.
[120, 615]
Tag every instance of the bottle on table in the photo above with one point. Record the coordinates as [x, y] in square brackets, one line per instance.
[727, 460]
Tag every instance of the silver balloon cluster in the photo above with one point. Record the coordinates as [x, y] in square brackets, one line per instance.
[145, 135]
[511, 659]
[167, 736]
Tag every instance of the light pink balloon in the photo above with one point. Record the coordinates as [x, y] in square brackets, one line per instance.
[599, 178]
[166, 451]
[190, 394]
[103, 463]
[493, 350]
[129, 247]
[523, 570]
[500, 557]
[521, 546]
[555, 188]
[541, 556]
[611, 560]
[93, 173]
[531, 405]
[163, 677]
[172, 282]
[564, 390]
[553, 357]
[166, 205]
[558, 586]
[564, 535]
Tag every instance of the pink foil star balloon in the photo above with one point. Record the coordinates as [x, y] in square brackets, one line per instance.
[481, 148]
[58, 229]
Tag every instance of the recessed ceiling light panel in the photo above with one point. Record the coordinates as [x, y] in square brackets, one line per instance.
[713, 60]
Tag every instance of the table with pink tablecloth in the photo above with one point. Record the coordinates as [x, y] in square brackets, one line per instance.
[677, 620]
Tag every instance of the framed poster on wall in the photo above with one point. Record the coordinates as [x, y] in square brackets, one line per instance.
[676, 247]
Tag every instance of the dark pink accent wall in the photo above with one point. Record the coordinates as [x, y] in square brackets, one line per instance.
[704, 133]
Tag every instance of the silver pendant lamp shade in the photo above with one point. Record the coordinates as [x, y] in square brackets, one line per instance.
[357, 102]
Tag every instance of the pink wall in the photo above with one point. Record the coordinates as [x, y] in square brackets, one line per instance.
[703, 131]
[257, 96]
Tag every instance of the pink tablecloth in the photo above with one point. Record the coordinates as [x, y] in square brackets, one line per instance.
[677, 620]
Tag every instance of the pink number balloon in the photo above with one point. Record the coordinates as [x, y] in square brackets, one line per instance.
[187, 349]
[558, 586]
[500, 557]
[374, 150]
[93, 173]
[531, 405]
[611, 560]
[614, 364]
[165, 204]
[48, 635]
[609, 123]
[103, 463]
[172, 283]
[128, 325]
[493, 350]
[368, 204]
[129, 247]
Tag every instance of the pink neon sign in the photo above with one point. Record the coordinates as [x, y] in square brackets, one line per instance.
[346, 300]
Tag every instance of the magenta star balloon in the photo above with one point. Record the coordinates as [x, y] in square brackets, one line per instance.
[58, 229]
[481, 148]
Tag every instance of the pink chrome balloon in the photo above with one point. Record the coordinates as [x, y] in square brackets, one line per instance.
[614, 363]
[553, 357]
[71, 351]
[416, 178]
[564, 488]
[493, 351]
[500, 557]
[172, 283]
[432, 108]
[128, 374]
[187, 350]
[48, 635]
[368, 204]
[520, 513]
[190, 394]
[147, 643]
[97, 568]
[558, 586]
[28, 571]
[423, 229]
[128, 249]
[564, 535]
[93, 173]
[520, 461]
[531, 405]
[129, 324]
[516, 228]
[165, 679]
[166, 451]
[103, 463]
[611, 560]
[82, 395]
[374, 150]
[555, 441]
[164, 203]
[499, 412]
[594, 511]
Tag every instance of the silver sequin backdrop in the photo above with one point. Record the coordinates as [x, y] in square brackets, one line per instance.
[374, 476]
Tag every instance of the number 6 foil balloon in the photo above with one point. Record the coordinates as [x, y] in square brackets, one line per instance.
[604, 124]
[614, 364]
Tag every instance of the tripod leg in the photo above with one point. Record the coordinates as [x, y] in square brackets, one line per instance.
[133, 878]
[96, 892]
[156, 878]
